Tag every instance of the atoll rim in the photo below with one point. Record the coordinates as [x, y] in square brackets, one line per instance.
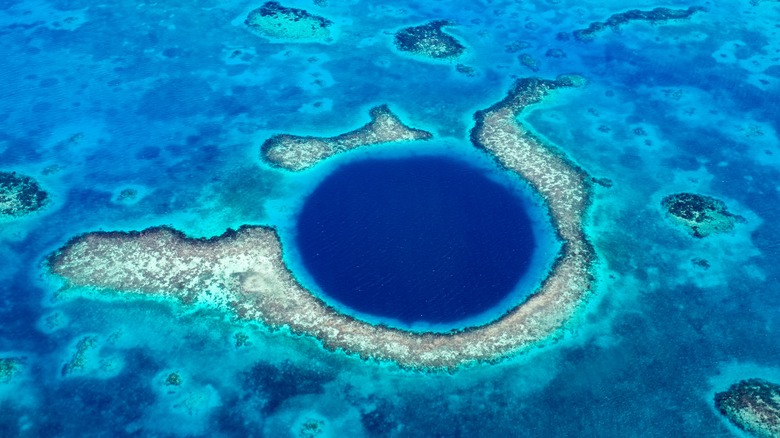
[296, 153]
[244, 272]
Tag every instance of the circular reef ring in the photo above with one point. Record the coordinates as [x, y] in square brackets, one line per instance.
[243, 271]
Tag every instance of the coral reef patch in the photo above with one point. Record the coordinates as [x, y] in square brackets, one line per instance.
[9, 368]
[20, 195]
[429, 40]
[529, 61]
[701, 215]
[275, 21]
[296, 153]
[173, 379]
[656, 15]
[277, 383]
[78, 361]
[752, 405]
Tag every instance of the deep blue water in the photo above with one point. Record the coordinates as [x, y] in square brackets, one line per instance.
[426, 239]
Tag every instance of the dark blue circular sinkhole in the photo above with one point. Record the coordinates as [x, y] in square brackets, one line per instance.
[418, 239]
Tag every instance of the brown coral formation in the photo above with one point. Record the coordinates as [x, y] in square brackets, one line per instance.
[275, 21]
[657, 15]
[753, 405]
[429, 40]
[295, 153]
[10, 367]
[702, 215]
[20, 195]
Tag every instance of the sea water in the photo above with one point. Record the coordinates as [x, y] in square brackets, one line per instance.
[172, 100]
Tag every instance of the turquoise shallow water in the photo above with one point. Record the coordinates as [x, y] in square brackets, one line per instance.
[174, 101]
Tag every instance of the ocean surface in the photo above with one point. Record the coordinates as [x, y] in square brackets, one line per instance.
[134, 115]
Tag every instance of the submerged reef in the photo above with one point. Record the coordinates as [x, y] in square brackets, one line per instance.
[277, 383]
[529, 61]
[701, 215]
[295, 153]
[429, 40]
[78, 361]
[753, 405]
[243, 271]
[19, 195]
[9, 368]
[173, 379]
[276, 21]
[654, 16]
